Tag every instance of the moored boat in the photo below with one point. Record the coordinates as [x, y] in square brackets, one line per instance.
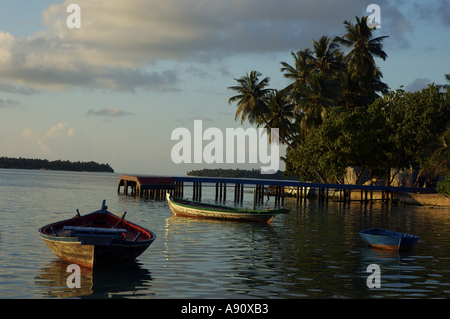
[181, 207]
[98, 239]
[387, 239]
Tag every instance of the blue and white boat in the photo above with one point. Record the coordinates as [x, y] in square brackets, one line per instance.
[387, 239]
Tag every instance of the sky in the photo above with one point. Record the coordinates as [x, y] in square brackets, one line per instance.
[114, 90]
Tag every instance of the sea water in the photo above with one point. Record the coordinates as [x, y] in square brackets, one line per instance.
[313, 252]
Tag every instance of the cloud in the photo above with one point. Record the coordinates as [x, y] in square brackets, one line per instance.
[8, 103]
[121, 43]
[202, 118]
[111, 111]
[18, 89]
[418, 84]
[60, 141]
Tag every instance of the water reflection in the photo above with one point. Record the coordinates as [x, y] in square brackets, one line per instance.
[116, 282]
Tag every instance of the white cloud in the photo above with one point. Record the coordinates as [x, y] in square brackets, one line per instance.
[59, 141]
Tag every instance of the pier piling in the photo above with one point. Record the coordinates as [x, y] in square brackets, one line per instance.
[156, 187]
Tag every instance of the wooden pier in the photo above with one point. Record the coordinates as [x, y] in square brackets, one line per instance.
[150, 187]
[155, 187]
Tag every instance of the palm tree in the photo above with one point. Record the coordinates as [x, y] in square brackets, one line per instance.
[300, 72]
[280, 115]
[327, 58]
[251, 100]
[364, 46]
[316, 99]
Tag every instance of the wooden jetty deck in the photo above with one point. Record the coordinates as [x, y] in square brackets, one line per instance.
[152, 187]
[155, 187]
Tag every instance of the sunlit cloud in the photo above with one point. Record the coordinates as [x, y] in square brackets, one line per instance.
[111, 111]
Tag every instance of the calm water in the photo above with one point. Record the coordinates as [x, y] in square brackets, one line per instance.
[314, 252]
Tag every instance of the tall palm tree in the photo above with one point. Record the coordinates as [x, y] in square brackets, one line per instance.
[360, 60]
[316, 99]
[326, 57]
[298, 73]
[280, 115]
[251, 100]
[364, 46]
[314, 72]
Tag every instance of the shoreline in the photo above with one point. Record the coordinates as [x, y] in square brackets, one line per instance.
[426, 199]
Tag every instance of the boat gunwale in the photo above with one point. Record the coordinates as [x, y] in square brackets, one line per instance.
[75, 239]
[389, 233]
[224, 209]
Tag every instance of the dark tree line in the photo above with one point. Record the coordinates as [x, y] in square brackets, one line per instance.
[31, 163]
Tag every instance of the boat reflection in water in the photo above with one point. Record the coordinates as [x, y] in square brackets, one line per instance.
[123, 280]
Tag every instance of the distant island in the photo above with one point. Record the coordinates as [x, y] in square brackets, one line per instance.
[237, 173]
[31, 163]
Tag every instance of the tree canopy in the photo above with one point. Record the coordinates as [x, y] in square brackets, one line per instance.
[337, 112]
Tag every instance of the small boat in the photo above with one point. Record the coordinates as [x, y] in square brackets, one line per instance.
[181, 207]
[387, 239]
[98, 239]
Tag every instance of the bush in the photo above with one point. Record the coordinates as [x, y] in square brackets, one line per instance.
[443, 187]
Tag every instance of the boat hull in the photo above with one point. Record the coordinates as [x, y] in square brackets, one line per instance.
[389, 240]
[94, 249]
[187, 209]
[92, 256]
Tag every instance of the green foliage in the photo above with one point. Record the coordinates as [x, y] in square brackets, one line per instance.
[27, 163]
[443, 187]
[341, 141]
[391, 133]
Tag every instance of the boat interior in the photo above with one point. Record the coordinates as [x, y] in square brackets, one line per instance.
[97, 224]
